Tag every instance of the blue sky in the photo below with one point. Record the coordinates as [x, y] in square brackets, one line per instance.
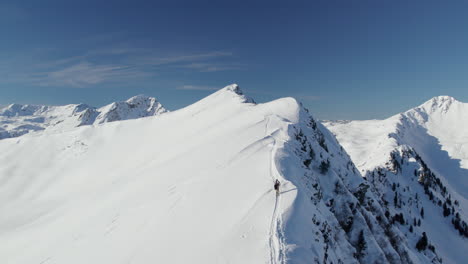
[342, 59]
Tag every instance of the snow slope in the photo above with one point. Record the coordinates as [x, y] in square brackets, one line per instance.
[194, 186]
[17, 120]
[427, 147]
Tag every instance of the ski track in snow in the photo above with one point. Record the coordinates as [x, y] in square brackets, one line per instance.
[273, 241]
[277, 249]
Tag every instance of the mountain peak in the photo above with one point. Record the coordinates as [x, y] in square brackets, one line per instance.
[234, 88]
[20, 110]
[135, 107]
[438, 104]
[443, 99]
[140, 98]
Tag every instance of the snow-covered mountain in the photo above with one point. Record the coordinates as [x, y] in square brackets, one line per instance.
[17, 120]
[196, 186]
[418, 162]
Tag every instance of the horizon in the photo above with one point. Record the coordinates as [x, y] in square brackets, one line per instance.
[342, 60]
[246, 93]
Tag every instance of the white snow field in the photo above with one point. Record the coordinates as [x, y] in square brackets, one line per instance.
[193, 186]
[184, 187]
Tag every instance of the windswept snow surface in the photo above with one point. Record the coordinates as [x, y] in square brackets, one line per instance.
[185, 187]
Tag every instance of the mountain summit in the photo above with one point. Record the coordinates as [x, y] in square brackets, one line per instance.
[439, 103]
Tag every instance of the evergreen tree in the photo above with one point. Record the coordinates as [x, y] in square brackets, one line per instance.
[422, 212]
[387, 214]
[324, 165]
[361, 245]
[401, 219]
[446, 210]
[422, 243]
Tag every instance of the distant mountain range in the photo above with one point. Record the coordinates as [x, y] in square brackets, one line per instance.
[17, 119]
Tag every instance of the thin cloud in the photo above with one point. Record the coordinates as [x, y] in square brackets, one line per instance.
[119, 51]
[208, 67]
[60, 62]
[197, 88]
[85, 74]
[110, 65]
[155, 60]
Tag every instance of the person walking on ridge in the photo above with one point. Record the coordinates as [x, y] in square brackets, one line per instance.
[277, 185]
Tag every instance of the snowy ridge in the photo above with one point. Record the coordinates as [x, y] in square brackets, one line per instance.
[195, 186]
[347, 215]
[416, 161]
[17, 120]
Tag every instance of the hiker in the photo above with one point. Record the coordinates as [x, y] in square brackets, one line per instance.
[277, 185]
